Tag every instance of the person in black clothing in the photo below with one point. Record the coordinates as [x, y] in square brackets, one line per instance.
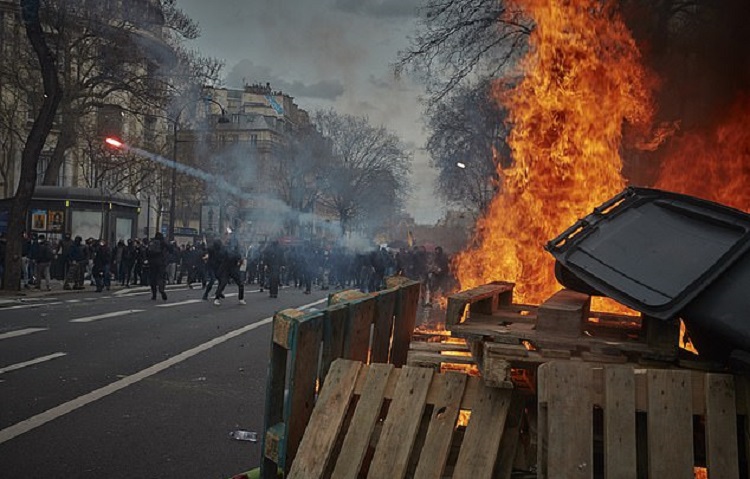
[157, 250]
[102, 265]
[77, 261]
[44, 257]
[273, 259]
[128, 259]
[213, 259]
[229, 268]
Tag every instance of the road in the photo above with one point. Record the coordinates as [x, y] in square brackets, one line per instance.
[115, 385]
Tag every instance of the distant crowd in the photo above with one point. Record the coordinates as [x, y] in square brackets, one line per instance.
[78, 263]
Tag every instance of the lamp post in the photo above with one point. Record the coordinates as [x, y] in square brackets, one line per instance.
[176, 125]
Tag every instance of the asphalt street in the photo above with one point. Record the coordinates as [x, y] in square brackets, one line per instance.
[115, 385]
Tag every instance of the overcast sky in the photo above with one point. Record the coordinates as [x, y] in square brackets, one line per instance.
[325, 53]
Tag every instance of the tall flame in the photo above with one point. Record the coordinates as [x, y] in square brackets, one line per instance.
[582, 79]
[714, 165]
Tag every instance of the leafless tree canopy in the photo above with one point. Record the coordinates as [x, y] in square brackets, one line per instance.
[467, 131]
[460, 40]
[369, 169]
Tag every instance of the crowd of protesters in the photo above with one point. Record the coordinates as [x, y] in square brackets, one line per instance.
[155, 262]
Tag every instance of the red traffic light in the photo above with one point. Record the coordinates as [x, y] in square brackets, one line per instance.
[114, 142]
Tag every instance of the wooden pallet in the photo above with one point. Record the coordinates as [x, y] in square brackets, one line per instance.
[646, 425]
[438, 354]
[364, 327]
[504, 336]
[378, 421]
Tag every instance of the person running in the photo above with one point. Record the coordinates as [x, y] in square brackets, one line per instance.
[229, 268]
[213, 260]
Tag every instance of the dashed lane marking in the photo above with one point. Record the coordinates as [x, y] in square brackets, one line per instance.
[169, 305]
[115, 314]
[21, 332]
[43, 418]
[32, 362]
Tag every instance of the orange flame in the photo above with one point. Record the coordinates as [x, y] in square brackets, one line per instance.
[582, 80]
[714, 165]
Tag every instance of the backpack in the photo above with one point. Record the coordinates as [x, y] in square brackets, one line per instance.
[154, 247]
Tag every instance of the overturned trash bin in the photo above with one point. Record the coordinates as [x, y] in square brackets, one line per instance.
[666, 255]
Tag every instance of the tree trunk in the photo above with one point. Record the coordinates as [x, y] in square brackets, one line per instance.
[65, 140]
[34, 143]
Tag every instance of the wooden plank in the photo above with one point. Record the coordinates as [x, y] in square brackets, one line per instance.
[274, 411]
[302, 380]
[670, 424]
[620, 456]
[721, 427]
[495, 368]
[396, 440]
[479, 450]
[447, 406]
[363, 422]
[455, 311]
[565, 387]
[383, 326]
[437, 347]
[564, 313]
[661, 334]
[334, 328]
[418, 358]
[509, 442]
[326, 421]
[482, 299]
[283, 322]
[357, 338]
[405, 319]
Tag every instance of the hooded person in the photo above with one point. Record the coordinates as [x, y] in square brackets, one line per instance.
[229, 268]
[157, 250]
[44, 257]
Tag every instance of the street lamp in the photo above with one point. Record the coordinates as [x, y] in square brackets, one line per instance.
[175, 123]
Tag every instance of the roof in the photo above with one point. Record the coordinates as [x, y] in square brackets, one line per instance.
[85, 194]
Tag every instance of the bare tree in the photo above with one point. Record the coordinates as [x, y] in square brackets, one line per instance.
[461, 40]
[34, 142]
[369, 167]
[467, 144]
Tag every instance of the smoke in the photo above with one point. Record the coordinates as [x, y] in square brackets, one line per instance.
[271, 213]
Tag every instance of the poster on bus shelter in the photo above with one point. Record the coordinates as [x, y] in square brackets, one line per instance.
[55, 222]
[39, 220]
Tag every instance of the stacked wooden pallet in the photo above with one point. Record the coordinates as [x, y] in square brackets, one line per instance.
[504, 336]
[378, 422]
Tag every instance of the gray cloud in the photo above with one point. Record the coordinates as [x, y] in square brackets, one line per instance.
[246, 72]
[379, 8]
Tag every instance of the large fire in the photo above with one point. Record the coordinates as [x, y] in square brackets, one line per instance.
[714, 165]
[582, 81]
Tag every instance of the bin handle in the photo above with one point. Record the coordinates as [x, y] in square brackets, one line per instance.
[596, 216]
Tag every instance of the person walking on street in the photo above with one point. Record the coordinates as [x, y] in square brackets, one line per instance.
[43, 261]
[157, 251]
[230, 269]
[213, 260]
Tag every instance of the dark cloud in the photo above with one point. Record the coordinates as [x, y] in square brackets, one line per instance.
[379, 8]
[246, 72]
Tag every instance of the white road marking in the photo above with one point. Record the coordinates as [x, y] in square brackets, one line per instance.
[13, 367]
[37, 305]
[115, 314]
[21, 332]
[72, 300]
[43, 418]
[169, 305]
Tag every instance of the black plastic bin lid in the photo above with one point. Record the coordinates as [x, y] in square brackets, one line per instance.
[651, 250]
